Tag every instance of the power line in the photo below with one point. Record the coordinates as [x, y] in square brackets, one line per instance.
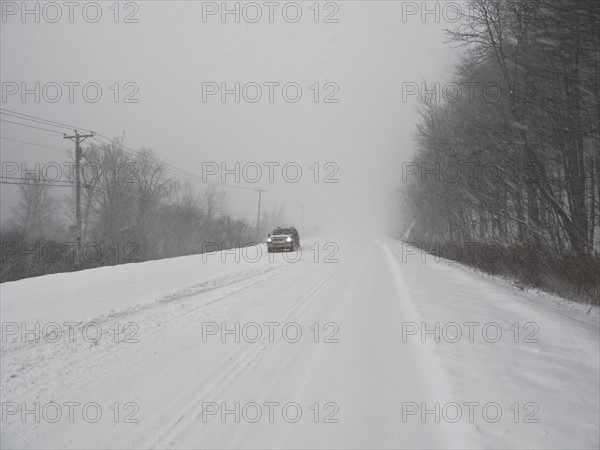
[39, 184]
[31, 126]
[43, 122]
[131, 152]
[47, 183]
[49, 122]
[35, 145]
[177, 170]
[31, 179]
[63, 184]
[170, 167]
[107, 191]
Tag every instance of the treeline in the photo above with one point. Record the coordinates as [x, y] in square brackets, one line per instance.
[131, 211]
[509, 158]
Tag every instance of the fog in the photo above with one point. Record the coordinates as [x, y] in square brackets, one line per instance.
[432, 167]
[357, 143]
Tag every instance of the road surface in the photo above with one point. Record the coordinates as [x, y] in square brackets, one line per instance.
[356, 342]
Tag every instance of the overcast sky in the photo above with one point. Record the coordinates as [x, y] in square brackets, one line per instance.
[171, 51]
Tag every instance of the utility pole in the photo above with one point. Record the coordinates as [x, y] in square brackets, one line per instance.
[78, 138]
[260, 191]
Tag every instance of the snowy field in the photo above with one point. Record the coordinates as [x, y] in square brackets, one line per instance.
[355, 343]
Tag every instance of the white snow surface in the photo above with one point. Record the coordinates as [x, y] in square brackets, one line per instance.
[363, 381]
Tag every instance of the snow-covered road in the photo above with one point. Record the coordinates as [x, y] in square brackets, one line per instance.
[355, 343]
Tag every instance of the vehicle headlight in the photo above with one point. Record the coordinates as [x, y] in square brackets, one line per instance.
[268, 239]
[289, 239]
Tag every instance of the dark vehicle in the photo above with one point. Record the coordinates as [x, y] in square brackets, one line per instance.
[283, 239]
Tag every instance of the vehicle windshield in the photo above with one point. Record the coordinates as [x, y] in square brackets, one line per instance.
[282, 231]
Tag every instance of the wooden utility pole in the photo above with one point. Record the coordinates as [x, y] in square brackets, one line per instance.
[78, 138]
[260, 191]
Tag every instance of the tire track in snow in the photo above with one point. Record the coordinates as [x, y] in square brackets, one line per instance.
[243, 359]
[434, 386]
[85, 357]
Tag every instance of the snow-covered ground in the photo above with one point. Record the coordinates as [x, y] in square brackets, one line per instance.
[335, 349]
